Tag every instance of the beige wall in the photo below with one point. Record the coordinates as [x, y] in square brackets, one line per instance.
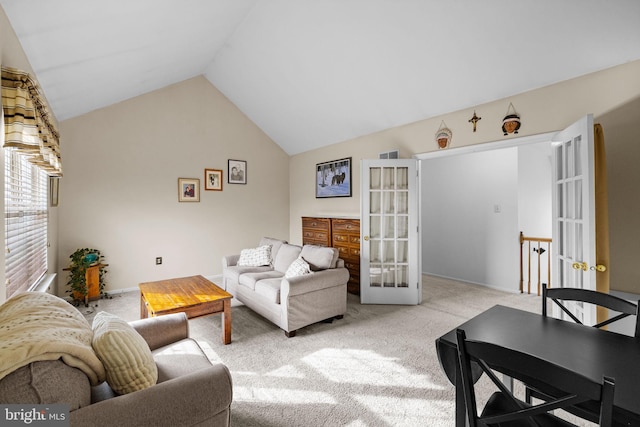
[12, 55]
[119, 193]
[544, 110]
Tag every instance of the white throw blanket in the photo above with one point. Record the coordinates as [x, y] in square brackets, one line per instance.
[38, 326]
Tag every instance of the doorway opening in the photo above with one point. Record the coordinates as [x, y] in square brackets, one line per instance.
[475, 201]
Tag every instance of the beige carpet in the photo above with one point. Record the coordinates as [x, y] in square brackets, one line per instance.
[375, 367]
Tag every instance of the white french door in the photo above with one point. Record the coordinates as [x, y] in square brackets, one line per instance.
[574, 214]
[390, 261]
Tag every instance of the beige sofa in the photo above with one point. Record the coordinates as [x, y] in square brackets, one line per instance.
[290, 302]
[190, 391]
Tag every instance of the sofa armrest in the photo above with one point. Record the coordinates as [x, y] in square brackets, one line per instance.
[230, 260]
[202, 397]
[162, 330]
[314, 282]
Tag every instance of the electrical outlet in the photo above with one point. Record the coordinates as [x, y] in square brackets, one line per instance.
[158, 260]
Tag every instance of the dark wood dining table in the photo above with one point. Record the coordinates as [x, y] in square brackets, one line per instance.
[591, 352]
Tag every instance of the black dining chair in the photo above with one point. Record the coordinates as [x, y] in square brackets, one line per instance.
[560, 296]
[621, 306]
[504, 409]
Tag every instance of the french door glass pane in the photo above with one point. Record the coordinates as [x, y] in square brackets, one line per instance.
[374, 202]
[577, 153]
[402, 252]
[402, 204]
[374, 178]
[402, 178]
[389, 202]
[403, 227]
[578, 199]
[374, 232]
[389, 229]
[403, 276]
[375, 275]
[388, 182]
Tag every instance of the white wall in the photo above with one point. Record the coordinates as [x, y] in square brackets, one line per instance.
[534, 207]
[463, 235]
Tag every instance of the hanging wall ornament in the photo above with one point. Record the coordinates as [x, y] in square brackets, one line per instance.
[511, 122]
[475, 119]
[443, 136]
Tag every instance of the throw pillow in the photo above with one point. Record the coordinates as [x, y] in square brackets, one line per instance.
[255, 257]
[299, 267]
[126, 356]
[320, 257]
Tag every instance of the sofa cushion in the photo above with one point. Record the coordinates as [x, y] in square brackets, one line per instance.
[255, 257]
[46, 382]
[320, 257]
[299, 267]
[286, 255]
[125, 354]
[269, 289]
[275, 245]
[249, 279]
[179, 358]
[233, 273]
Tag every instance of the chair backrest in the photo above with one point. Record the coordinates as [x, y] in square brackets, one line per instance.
[571, 387]
[612, 302]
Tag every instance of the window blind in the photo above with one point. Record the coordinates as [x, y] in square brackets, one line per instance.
[26, 222]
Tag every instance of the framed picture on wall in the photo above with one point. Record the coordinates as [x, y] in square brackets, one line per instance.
[237, 170]
[188, 190]
[213, 179]
[333, 179]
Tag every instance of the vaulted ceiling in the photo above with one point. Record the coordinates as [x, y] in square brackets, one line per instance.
[311, 73]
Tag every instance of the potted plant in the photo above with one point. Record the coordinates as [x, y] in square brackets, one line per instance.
[81, 260]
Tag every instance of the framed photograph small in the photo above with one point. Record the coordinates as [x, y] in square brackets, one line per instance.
[213, 179]
[237, 171]
[188, 190]
[333, 179]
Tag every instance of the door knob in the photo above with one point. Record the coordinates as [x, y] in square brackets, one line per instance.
[580, 266]
[366, 238]
[584, 267]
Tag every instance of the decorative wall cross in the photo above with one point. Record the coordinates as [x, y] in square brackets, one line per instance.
[475, 119]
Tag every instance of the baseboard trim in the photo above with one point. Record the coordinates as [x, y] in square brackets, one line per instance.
[497, 288]
[214, 278]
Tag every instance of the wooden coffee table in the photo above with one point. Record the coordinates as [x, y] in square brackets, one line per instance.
[195, 296]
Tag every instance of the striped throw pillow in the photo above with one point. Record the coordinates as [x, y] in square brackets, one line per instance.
[125, 355]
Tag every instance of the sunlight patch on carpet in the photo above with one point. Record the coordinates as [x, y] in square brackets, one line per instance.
[287, 371]
[397, 411]
[366, 367]
[279, 395]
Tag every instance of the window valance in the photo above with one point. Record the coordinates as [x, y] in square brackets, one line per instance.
[27, 121]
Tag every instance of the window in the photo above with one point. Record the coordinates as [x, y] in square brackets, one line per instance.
[26, 222]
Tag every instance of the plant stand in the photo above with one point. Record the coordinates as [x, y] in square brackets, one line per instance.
[92, 279]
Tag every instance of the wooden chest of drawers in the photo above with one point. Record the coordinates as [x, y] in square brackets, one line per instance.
[342, 234]
[316, 231]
